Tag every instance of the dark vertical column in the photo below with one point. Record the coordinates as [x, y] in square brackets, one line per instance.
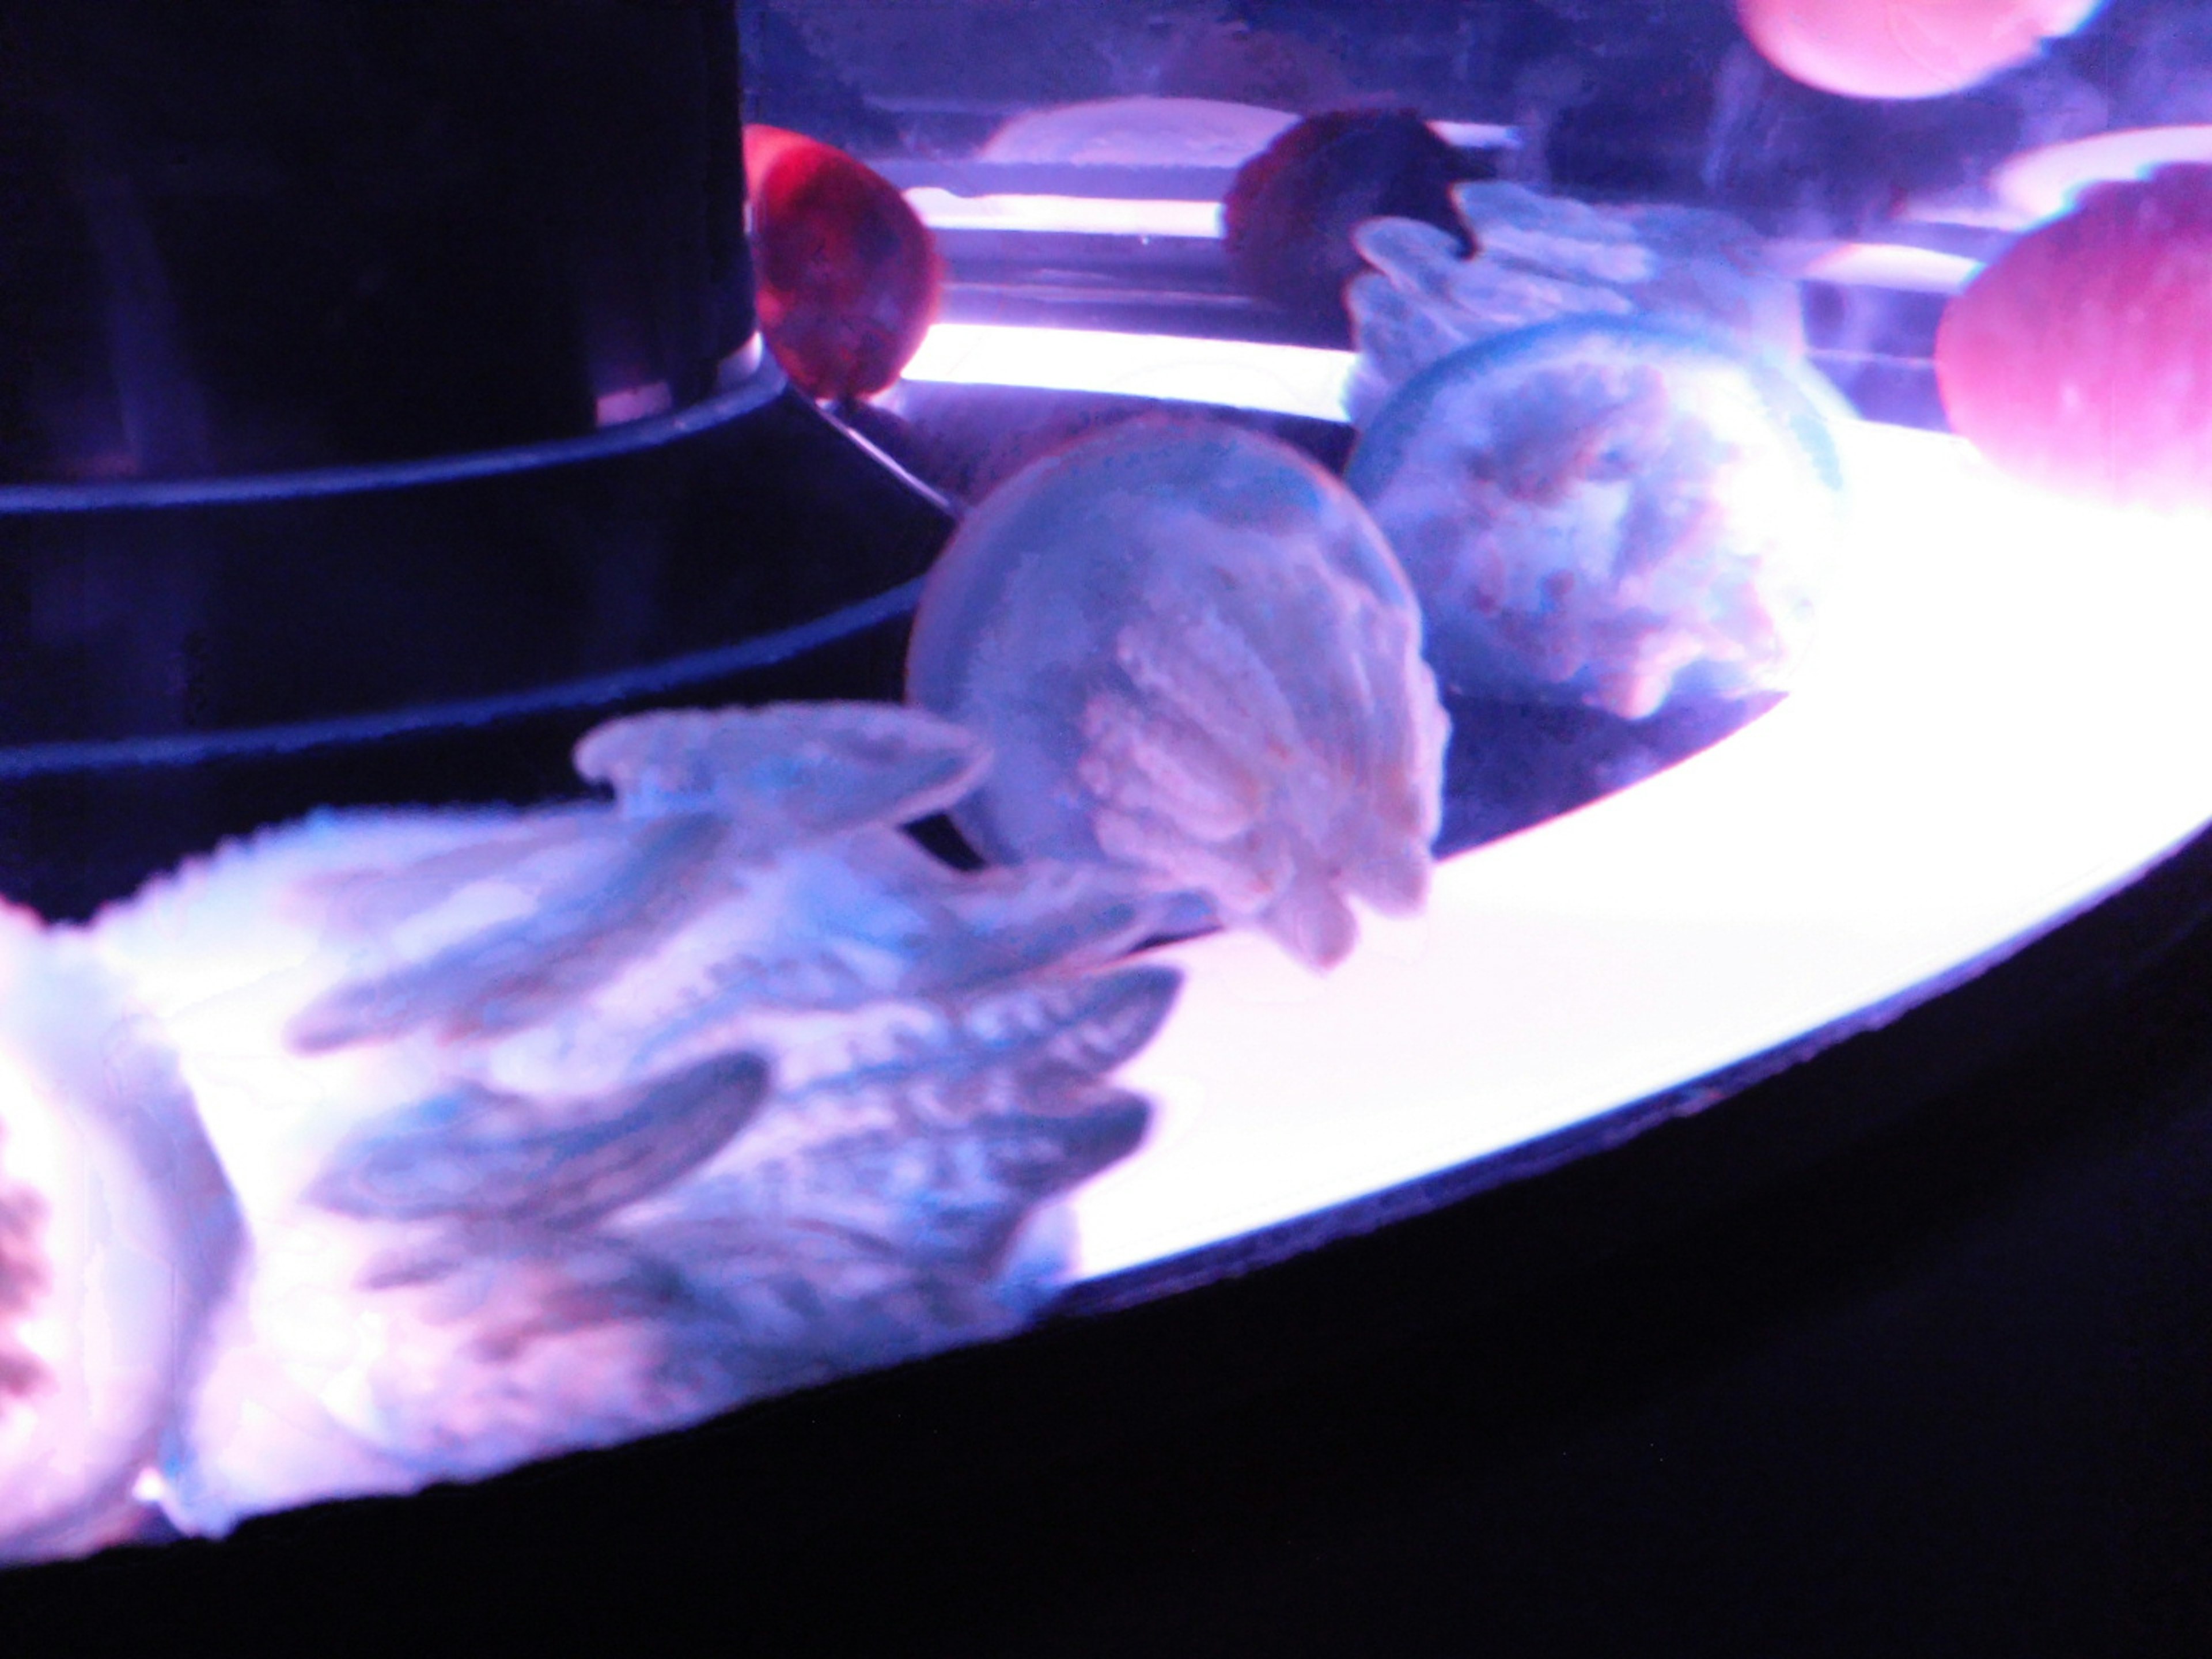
[244, 235]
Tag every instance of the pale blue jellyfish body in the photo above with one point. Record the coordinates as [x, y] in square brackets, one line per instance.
[1609, 511]
[1196, 660]
[403, 1147]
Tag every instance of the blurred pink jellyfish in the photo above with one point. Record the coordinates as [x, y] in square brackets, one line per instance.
[1903, 48]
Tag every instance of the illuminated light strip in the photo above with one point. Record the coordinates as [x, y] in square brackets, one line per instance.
[2008, 715]
[1284, 380]
[1476, 135]
[1933, 795]
[1083, 216]
[1881, 264]
[2041, 183]
[1863, 265]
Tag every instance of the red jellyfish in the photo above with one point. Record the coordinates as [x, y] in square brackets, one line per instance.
[1903, 48]
[2082, 358]
[847, 275]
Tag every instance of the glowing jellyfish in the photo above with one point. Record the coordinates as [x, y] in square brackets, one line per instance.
[848, 277]
[1903, 48]
[1194, 657]
[118, 1232]
[2082, 358]
[1609, 512]
[553, 1128]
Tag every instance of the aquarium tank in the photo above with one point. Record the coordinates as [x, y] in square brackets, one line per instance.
[696, 697]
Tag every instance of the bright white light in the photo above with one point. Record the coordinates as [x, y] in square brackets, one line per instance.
[1883, 264]
[1238, 373]
[2043, 183]
[1087, 215]
[1476, 135]
[2009, 713]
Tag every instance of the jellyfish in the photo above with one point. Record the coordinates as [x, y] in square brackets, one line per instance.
[1610, 511]
[2081, 358]
[1197, 661]
[1903, 48]
[546, 1128]
[848, 277]
[1537, 258]
[117, 1235]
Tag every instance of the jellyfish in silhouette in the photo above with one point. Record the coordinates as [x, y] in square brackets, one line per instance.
[1197, 661]
[1288, 219]
[847, 275]
[2081, 358]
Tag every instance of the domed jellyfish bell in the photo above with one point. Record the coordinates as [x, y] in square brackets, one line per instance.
[2081, 358]
[118, 1232]
[1903, 48]
[1195, 659]
[1610, 511]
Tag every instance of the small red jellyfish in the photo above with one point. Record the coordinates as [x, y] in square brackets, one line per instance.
[846, 277]
[1903, 48]
[2082, 358]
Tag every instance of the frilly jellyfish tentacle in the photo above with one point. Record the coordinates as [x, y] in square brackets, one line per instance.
[788, 773]
[1196, 661]
[1541, 259]
[604, 1119]
[478, 1153]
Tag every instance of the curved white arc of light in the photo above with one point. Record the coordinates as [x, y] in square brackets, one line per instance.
[2008, 713]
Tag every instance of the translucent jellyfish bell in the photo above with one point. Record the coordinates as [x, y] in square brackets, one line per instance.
[1609, 511]
[118, 1233]
[1194, 657]
[2081, 359]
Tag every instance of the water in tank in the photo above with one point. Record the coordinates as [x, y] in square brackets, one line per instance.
[694, 697]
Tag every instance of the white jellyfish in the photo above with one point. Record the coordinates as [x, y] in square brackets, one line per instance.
[1610, 511]
[1197, 660]
[553, 1128]
[118, 1233]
